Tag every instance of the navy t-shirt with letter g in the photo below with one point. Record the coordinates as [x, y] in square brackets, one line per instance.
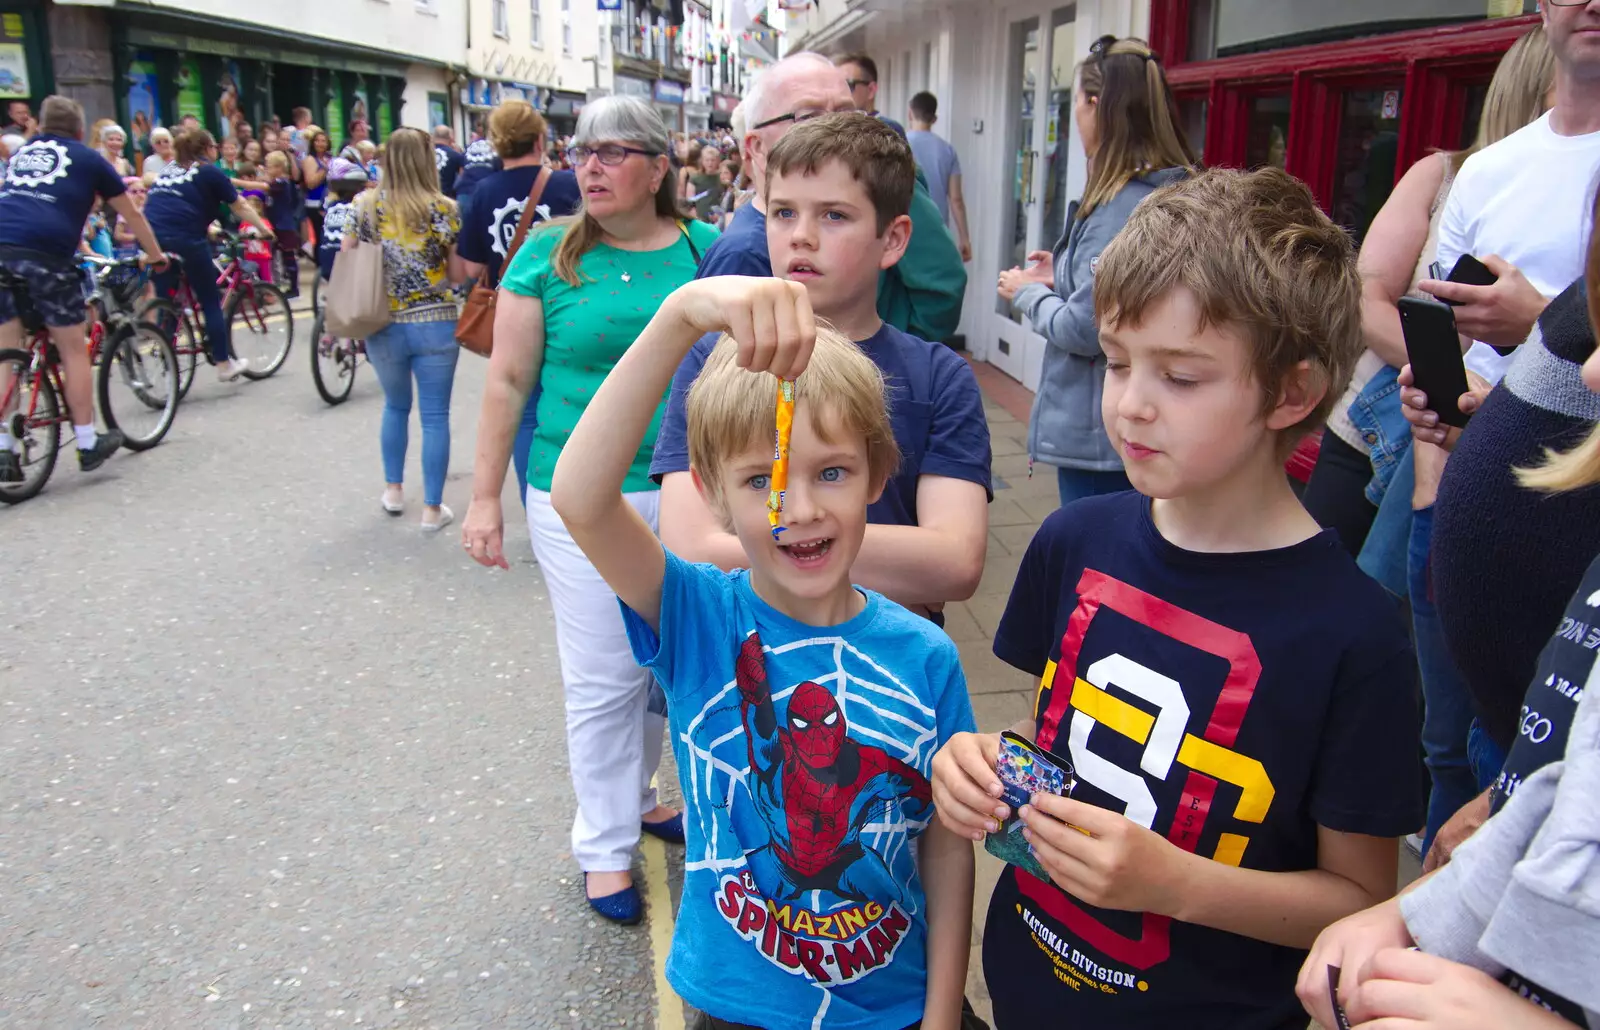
[183, 201]
[934, 407]
[1231, 703]
[50, 186]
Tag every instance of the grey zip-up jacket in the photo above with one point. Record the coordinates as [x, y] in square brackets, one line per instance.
[1523, 893]
[1065, 428]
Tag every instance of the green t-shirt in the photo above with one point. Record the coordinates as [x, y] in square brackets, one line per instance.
[588, 327]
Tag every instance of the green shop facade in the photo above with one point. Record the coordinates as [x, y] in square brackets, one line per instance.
[249, 74]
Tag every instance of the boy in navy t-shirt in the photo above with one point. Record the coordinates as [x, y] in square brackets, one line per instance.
[1237, 699]
[804, 710]
[51, 185]
[837, 202]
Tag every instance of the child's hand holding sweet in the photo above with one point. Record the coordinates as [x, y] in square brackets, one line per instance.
[1104, 857]
[770, 319]
[1348, 944]
[1399, 987]
[966, 788]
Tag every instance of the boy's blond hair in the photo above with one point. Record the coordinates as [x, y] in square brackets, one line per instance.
[1262, 260]
[729, 408]
[277, 163]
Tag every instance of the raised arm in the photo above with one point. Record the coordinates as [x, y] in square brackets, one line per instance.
[958, 215]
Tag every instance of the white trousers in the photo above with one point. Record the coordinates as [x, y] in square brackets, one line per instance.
[613, 741]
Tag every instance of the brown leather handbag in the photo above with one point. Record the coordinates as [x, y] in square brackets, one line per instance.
[475, 326]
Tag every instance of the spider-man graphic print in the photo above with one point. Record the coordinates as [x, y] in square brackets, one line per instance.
[815, 787]
[803, 753]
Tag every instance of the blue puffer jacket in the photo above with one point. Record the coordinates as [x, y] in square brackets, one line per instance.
[1065, 428]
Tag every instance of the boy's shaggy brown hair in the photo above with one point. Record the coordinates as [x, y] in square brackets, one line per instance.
[873, 153]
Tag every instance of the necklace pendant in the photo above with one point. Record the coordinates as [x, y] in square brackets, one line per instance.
[627, 278]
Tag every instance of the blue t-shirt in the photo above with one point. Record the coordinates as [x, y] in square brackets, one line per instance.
[50, 185]
[183, 201]
[283, 205]
[742, 250]
[935, 408]
[1231, 703]
[802, 907]
[490, 223]
[335, 218]
[449, 161]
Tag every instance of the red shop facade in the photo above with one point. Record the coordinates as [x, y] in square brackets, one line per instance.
[1345, 107]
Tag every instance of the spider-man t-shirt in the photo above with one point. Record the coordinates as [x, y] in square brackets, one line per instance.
[1232, 703]
[804, 754]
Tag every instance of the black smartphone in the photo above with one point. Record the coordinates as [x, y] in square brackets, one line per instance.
[1468, 271]
[1434, 349]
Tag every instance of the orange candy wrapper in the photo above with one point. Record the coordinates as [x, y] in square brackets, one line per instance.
[780, 455]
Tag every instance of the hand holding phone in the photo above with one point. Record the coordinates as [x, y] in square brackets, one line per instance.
[1434, 349]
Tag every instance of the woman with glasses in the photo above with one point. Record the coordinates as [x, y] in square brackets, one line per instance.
[572, 300]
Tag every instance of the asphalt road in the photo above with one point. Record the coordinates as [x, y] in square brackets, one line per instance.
[270, 758]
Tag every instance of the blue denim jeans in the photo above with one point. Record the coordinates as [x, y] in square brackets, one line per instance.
[201, 271]
[1386, 555]
[1484, 755]
[523, 445]
[1075, 484]
[1447, 713]
[427, 352]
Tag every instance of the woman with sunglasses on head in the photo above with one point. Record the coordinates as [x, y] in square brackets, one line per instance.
[1128, 124]
[572, 300]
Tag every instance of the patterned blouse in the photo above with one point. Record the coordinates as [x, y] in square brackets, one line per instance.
[415, 265]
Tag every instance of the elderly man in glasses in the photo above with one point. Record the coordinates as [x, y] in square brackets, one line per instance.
[922, 294]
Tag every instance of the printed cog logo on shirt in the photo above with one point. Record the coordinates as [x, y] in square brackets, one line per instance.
[172, 175]
[40, 163]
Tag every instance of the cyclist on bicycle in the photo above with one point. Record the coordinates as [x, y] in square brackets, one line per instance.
[50, 186]
[183, 203]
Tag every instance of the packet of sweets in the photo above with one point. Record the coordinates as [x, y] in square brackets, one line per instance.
[1025, 770]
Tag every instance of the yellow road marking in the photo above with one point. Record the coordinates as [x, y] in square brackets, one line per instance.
[658, 899]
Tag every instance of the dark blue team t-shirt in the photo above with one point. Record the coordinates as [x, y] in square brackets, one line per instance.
[50, 185]
[183, 201]
[336, 218]
[934, 407]
[742, 250]
[1231, 703]
[449, 161]
[497, 202]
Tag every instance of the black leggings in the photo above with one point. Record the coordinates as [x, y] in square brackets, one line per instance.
[1336, 496]
[314, 216]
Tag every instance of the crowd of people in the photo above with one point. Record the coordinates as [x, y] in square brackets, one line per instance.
[753, 477]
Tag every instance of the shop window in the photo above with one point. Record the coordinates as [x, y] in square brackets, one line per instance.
[1365, 156]
[535, 25]
[1221, 28]
[1477, 96]
[1192, 123]
[498, 13]
[1058, 132]
[1268, 142]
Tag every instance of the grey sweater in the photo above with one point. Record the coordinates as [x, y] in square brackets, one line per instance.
[1065, 428]
[1522, 895]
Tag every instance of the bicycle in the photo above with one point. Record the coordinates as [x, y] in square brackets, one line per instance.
[137, 379]
[34, 400]
[260, 321]
[334, 361]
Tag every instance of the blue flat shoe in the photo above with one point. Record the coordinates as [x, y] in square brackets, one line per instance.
[625, 908]
[669, 830]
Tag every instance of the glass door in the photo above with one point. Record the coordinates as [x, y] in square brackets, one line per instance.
[1042, 176]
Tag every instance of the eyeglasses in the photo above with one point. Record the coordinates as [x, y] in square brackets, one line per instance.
[803, 115]
[853, 83]
[610, 154]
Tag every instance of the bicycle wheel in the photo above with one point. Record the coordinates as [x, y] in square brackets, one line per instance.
[333, 364]
[186, 344]
[138, 386]
[34, 422]
[261, 328]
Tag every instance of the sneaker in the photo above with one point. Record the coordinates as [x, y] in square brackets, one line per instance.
[105, 445]
[446, 516]
[10, 467]
[232, 370]
[1414, 845]
[391, 503]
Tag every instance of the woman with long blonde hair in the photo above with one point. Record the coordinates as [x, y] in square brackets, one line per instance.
[417, 226]
[1127, 122]
[572, 300]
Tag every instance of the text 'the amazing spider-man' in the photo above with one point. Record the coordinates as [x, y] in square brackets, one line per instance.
[816, 788]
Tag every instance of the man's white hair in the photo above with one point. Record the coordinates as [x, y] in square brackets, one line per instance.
[766, 93]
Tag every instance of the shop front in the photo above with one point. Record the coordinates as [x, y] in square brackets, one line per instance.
[668, 98]
[223, 82]
[1345, 96]
[722, 105]
[563, 112]
[27, 72]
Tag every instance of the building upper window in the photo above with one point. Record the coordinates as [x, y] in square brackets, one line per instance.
[535, 24]
[1221, 28]
[566, 40]
[501, 29]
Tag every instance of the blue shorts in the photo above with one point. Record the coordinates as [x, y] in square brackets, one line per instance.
[54, 290]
